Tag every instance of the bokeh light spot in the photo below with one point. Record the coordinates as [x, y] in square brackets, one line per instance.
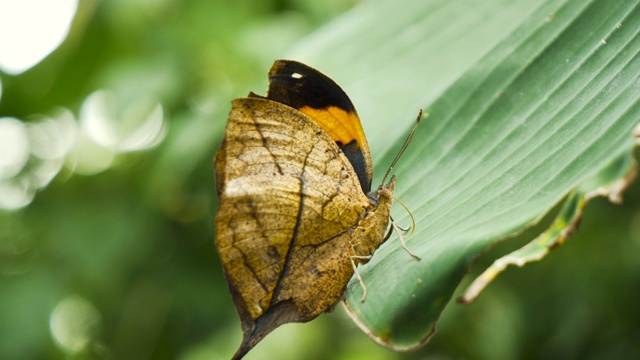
[88, 158]
[53, 138]
[31, 29]
[31, 155]
[122, 125]
[15, 194]
[14, 147]
[73, 323]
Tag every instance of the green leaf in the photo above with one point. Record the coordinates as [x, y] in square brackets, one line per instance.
[526, 102]
[611, 182]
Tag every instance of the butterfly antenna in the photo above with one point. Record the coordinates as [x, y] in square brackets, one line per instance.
[404, 146]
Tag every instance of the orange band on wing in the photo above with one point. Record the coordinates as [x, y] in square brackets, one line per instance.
[345, 129]
[340, 125]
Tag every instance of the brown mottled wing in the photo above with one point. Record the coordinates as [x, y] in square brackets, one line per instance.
[289, 203]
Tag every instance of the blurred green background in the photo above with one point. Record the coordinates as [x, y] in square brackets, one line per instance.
[107, 201]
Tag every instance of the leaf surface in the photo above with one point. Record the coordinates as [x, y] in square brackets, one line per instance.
[527, 101]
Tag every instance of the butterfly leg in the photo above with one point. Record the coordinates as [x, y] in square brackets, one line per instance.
[355, 270]
[403, 228]
[404, 244]
[386, 237]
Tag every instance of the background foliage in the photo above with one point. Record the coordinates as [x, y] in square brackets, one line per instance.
[114, 257]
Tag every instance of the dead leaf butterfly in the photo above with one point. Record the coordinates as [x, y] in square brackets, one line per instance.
[296, 211]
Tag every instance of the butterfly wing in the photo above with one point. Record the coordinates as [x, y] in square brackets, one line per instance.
[321, 99]
[290, 207]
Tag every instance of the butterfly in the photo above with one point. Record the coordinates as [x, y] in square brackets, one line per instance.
[296, 211]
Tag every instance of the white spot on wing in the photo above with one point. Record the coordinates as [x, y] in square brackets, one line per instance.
[296, 76]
